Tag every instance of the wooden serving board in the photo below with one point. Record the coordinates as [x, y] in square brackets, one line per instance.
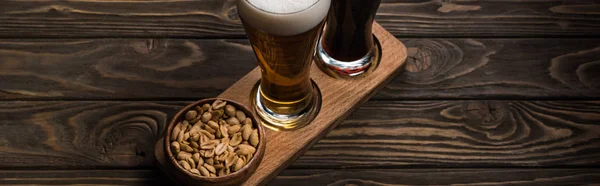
[340, 98]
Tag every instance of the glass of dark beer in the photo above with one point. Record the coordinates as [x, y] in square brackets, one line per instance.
[347, 46]
[283, 35]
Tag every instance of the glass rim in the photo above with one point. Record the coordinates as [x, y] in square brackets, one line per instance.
[275, 13]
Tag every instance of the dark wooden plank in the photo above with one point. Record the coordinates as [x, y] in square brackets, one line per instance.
[490, 18]
[82, 134]
[218, 18]
[292, 177]
[498, 69]
[463, 134]
[382, 177]
[121, 134]
[84, 177]
[120, 18]
[121, 68]
[192, 69]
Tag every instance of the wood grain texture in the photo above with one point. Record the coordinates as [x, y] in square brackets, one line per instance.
[498, 69]
[393, 134]
[385, 177]
[84, 177]
[82, 134]
[463, 134]
[489, 18]
[121, 68]
[120, 18]
[192, 69]
[218, 18]
[284, 147]
[293, 177]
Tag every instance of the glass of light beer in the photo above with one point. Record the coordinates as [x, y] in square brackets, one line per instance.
[283, 35]
[347, 47]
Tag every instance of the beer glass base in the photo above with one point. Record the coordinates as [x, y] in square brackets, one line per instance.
[280, 122]
[347, 69]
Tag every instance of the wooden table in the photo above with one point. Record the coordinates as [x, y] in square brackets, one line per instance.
[493, 92]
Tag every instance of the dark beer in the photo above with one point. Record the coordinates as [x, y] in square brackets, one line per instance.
[348, 35]
[347, 47]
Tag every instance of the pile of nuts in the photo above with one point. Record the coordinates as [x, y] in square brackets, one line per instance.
[214, 140]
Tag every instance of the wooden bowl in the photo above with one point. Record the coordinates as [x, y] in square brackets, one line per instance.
[175, 171]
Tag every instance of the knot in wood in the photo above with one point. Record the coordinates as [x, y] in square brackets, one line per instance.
[486, 114]
[232, 14]
[126, 138]
[418, 60]
[430, 60]
[229, 12]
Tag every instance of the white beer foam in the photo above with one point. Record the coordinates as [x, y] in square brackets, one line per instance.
[282, 6]
[283, 17]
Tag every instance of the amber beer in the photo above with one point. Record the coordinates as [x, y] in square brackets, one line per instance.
[347, 41]
[285, 63]
[283, 37]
